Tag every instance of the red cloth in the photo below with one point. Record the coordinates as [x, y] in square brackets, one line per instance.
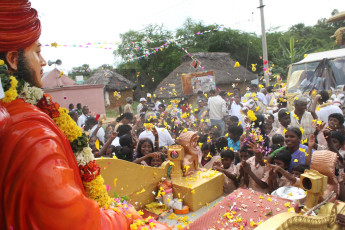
[39, 177]
[185, 109]
[19, 25]
[249, 205]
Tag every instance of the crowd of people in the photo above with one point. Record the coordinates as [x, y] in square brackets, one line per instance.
[252, 150]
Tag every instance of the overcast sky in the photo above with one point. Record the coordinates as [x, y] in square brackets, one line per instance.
[82, 21]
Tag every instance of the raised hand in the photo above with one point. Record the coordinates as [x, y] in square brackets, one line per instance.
[246, 167]
[311, 141]
[274, 168]
[327, 134]
[253, 147]
[100, 123]
[154, 131]
[114, 135]
[320, 127]
[155, 155]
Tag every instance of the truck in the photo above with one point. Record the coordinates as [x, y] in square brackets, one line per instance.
[320, 71]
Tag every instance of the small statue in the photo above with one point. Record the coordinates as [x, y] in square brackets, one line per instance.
[338, 35]
[189, 141]
[165, 184]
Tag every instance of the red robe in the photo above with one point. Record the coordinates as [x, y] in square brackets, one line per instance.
[40, 183]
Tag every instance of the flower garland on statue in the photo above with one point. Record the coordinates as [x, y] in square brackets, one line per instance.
[89, 171]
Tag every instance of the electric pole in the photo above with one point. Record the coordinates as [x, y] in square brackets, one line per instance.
[264, 43]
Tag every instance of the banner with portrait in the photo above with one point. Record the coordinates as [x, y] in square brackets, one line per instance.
[193, 82]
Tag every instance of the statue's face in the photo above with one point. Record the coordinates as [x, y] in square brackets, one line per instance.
[194, 141]
[32, 64]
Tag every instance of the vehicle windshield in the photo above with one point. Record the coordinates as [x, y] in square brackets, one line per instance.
[319, 75]
[338, 68]
[298, 74]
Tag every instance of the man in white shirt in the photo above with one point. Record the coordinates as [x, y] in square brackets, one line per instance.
[100, 133]
[301, 118]
[218, 110]
[141, 105]
[157, 103]
[164, 136]
[235, 108]
[326, 109]
[281, 104]
[253, 88]
[83, 117]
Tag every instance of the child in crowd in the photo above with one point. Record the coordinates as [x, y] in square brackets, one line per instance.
[121, 130]
[338, 140]
[278, 139]
[234, 139]
[208, 156]
[227, 167]
[255, 170]
[158, 161]
[95, 127]
[335, 123]
[275, 179]
[298, 170]
[284, 121]
[214, 133]
[335, 143]
[269, 128]
[221, 143]
[278, 142]
[92, 144]
[235, 133]
[124, 153]
[108, 150]
[124, 119]
[231, 120]
[294, 178]
[145, 152]
[244, 155]
[126, 149]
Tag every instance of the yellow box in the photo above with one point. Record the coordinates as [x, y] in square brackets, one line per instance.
[199, 189]
[136, 181]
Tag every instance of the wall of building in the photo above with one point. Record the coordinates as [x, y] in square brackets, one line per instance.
[91, 95]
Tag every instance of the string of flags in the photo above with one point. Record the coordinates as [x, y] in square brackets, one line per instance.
[114, 45]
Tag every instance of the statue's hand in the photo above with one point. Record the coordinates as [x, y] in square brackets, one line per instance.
[341, 219]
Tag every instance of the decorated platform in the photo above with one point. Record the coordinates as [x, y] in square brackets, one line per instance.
[242, 209]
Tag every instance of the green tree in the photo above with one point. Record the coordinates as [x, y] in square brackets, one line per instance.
[292, 52]
[283, 47]
[151, 68]
[80, 70]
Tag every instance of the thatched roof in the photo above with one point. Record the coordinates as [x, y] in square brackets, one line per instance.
[220, 63]
[111, 80]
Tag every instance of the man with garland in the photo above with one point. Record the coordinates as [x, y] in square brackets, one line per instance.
[45, 159]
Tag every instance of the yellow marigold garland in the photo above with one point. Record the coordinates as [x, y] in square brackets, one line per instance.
[251, 115]
[97, 191]
[67, 125]
[11, 94]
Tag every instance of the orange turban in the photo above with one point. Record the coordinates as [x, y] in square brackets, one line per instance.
[19, 25]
